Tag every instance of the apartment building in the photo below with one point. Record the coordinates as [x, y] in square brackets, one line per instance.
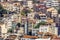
[39, 16]
[50, 21]
[48, 28]
[34, 39]
[52, 3]
[48, 4]
[58, 23]
[3, 0]
[41, 6]
[27, 37]
[35, 31]
[15, 6]
[43, 17]
[3, 30]
[30, 4]
[59, 2]
[55, 3]
[31, 15]
[9, 0]
[53, 11]
[7, 6]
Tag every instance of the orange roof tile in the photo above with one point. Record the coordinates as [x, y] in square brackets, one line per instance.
[13, 36]
[40, 32]
[47, 33]
[28, 36]
[44, 36]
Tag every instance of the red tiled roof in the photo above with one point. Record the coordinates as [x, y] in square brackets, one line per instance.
[28, 36]
[40, 32]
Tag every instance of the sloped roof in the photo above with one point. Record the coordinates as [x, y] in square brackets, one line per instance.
[28, 36]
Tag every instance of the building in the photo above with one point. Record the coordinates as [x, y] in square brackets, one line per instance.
[55, 3]
[52, 3]
[50, 21]
[3, 30]
[11, 6]
[58, 38]
[53, 11]
[43, 17]
[30, 4]
[9, 0]
[40, 6]
[31, 15]
[3, 0]
[58, 23]
[35, 31]
[7, 6]
[48, 28]
[27, 37]
[39, 16]
[21, 31]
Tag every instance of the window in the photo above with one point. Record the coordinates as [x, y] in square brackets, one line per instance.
[30, 25]
[45, 30]
[22, 39]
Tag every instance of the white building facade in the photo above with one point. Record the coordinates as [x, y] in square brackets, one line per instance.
[35, 39]
[52, 3]
[50, 29]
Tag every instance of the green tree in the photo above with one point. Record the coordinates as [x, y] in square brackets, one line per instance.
[10, 30]
[59, 11]
[25, 11]
[2, 10]
[40, 23]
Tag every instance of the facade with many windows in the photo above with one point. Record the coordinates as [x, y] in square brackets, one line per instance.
[50, 29]
[52, 3]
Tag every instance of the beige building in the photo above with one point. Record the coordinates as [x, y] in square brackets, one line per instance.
[53, 10]
[21, 31]
[43, 17]
[30, 4]
[31, 15]
[3, 30]
[11, 6]
[7, 6]
[48, 28]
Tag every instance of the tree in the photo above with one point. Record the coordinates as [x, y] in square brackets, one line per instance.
[59, 11]
[40, 23]
[2, 10]
[10, 30]
[18, 24]
[25, 11]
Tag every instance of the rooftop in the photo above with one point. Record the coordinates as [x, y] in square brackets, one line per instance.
[28, 36]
